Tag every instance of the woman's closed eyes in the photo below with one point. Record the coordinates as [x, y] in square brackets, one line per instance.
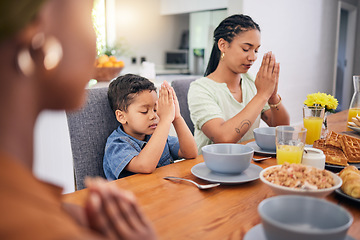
[246, 50]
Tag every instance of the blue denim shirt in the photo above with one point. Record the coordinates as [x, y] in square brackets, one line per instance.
[121, 148]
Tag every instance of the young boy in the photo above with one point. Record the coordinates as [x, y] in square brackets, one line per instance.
[141, 142]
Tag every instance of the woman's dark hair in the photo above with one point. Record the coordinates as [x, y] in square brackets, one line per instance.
[123, 89]
[15, 15]
[229, 28]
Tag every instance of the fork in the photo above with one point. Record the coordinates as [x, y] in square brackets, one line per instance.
[200, 186]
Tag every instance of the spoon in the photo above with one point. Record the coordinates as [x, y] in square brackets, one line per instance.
[200, 186]
[260, 159]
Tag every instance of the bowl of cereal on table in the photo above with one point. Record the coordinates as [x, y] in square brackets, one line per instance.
[298, 179]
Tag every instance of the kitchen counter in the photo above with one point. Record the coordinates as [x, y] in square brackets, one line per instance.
[158, 80]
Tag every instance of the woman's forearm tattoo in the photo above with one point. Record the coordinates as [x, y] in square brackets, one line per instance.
[243, 127]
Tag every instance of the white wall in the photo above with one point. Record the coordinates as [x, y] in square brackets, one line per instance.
[52, 153]
[356, 68]
[148, 33]
[187, 6]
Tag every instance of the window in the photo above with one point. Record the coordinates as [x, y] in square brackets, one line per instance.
[99, 21]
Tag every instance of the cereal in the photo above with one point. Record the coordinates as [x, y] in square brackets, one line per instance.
[299, 176]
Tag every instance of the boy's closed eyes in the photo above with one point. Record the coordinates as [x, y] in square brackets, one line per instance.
[146, 109]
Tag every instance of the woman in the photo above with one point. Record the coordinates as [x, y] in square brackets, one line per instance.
[47, 54]
[226, 104]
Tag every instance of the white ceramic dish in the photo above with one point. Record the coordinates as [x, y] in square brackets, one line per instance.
[337, 168]
[227, 158]
[294, 217]
[282, 190]
[201, 171]
[257, 233]
[257, 149]
[356, 129]
[340, 192]
[265, 138]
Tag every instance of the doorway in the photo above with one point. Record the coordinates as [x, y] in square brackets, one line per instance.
[343, 87]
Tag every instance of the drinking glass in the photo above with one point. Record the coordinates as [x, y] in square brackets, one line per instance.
[354, 108]
[290, 142]
[313, 117]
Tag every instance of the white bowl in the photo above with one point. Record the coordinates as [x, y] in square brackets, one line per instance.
[227, 158]
[265, 138]
[303, 217]
[282, 190]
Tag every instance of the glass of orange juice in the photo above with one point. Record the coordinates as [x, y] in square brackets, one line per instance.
[354, 108]
[313, 117]
[290, 142]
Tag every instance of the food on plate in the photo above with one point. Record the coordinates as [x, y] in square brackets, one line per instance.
[299, 176]
[351, 147]
[333, 155]
[351, 181]
[355, 121]
[352, 124]
[339, 149]
[333, 139]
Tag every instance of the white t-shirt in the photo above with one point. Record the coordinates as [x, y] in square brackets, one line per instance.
[208, 99]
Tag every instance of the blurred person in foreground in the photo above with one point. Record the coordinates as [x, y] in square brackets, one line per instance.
[47, 54]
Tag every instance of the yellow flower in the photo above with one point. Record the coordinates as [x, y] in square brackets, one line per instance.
[322, 99]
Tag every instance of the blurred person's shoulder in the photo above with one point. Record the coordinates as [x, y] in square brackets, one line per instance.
[32, 209]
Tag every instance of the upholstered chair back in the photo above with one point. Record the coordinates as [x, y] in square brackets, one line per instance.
[181, 88]
[89, 128]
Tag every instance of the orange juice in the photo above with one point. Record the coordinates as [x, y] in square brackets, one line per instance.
[290, 154]
[352, 113]
[313, 126]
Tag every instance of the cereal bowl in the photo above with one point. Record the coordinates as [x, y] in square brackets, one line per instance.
[306, 190]
[303, 217]
[265, 138]
[227, 158]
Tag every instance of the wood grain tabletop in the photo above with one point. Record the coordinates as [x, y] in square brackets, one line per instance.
[179, 210]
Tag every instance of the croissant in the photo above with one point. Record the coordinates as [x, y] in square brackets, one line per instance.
[351, 181]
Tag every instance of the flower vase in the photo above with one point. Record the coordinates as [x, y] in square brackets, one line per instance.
[324, 129]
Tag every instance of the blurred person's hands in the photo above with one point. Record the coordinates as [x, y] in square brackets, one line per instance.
[114, 213]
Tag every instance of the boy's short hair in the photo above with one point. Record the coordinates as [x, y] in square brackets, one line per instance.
[123, 89]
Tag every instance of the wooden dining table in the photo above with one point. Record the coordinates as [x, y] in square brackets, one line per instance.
[179, 210]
